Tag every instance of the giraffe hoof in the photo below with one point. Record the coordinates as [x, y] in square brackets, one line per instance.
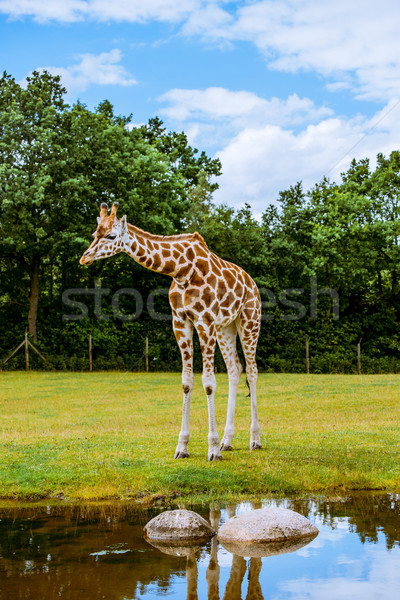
[255, 446]
[181, 454]
[225, 447]
[214, 456]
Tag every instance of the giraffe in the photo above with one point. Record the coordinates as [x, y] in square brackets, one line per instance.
[216, 298]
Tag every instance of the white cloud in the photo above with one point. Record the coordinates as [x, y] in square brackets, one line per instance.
[213, 116]
[141, 10]
[101, 69]
[356, 42]
[260, 161]
[269, 144]
[217, 103]
[101, 10]
[44, 10]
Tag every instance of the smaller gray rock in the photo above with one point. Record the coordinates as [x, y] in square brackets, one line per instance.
[266, 525]
[178, 525]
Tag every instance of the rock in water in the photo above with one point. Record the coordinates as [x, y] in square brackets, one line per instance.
[266, 525]
[178, 525]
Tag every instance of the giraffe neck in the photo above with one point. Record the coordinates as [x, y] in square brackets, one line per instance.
[169, 255]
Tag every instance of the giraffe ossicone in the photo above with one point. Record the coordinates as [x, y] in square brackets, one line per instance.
[215, 297]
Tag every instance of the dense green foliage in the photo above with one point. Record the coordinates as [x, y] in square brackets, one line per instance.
[326, 260]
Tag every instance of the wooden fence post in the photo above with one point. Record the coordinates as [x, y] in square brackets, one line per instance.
[147, 353]
[25, 342]
[90, 353]
[26, 352]
[308, 356]
[359, 356]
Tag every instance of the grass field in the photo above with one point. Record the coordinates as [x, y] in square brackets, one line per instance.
[113, 435]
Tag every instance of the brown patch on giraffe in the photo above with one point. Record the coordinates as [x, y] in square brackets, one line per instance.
[228, 300]
[229, 278]
[179, 335]
[200, 251]
[169, 267]
[235, 305]
[186, 355]
[175, 299]
[214, 308]
[208, 296]
[186, 389]
[165, 253]
[221, 288]
[175, 254]
[208, 318]
[201, 332]
[196, 280]
[142, 259]
[238, 289]
[208, 390]
[156, 261]
[189, 315]
[212, 280]
[190, 254]
[179, 325]
[216, 267]
[149, 263]
[202, 265]
[140, 251]
[179, 247]
[150, 245]
[198, 307]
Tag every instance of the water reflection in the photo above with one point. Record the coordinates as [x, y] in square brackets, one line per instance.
[99, 552]
[238, 568]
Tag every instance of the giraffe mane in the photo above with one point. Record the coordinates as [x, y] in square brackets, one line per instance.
[180, 237]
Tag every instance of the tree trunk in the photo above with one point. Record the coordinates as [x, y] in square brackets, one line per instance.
[33, 297]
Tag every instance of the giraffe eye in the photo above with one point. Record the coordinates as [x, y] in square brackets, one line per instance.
[110, 236]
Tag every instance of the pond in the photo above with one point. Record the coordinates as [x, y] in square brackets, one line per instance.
[98, 551]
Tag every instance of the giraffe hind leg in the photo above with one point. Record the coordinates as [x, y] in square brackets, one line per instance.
[249, 329]
[227, 342]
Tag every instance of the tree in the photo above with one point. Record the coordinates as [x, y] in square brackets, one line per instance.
[57, 164]
[30, 126]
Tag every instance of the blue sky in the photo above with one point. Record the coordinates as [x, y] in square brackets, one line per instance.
[279, 91]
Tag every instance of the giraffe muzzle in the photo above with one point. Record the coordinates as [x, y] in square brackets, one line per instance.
[86, 260]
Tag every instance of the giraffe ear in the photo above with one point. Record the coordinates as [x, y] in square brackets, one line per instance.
[124, 226]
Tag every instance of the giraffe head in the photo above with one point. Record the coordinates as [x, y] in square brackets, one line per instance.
[109, 237]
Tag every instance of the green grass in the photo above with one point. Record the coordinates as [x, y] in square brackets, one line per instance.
[113, 435]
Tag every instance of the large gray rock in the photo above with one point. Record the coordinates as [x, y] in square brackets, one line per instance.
[178, 525]
[279, 527]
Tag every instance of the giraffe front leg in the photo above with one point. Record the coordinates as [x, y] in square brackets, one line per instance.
[184, 335]
[207, 338]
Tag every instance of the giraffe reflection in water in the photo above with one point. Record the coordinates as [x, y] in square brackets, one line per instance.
[233, 588]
